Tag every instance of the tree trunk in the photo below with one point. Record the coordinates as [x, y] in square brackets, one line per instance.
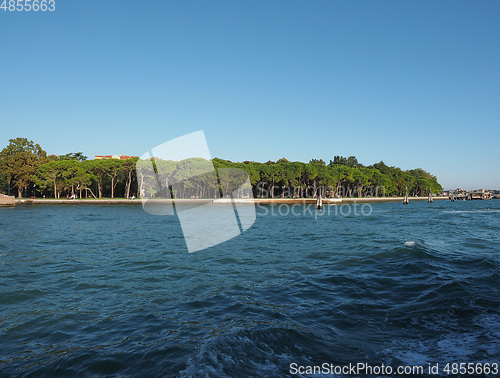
[139, 187]
[91, 192]
[129, 183]
[99, 188]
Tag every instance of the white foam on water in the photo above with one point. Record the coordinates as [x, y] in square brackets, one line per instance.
[410, 352]
[412, 357]
[453, 346]
[458, 346]
[491, 326]
[224, 355]
[472, 211]
[491, 322]
[410, 243]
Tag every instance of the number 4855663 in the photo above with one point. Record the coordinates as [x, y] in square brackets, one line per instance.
[28, 5]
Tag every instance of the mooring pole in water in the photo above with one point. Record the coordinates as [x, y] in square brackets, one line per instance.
[430, 198]
[406, 200]
[319, 201]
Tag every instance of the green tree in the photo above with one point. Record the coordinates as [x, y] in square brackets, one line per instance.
[19, 161]
[79, 156]
[128, 169]
[112, 169]
[4, 184]
[98, 168]
[75, 176]
[351, 161]
[194, 177]
[48, 175]
[316, 161]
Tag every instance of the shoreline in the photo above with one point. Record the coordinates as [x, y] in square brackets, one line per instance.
[255, 201]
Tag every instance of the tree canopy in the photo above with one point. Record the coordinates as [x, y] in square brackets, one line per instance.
[24, 164]
[19, 162]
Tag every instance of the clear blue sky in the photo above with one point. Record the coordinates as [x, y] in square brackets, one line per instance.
[413, 83]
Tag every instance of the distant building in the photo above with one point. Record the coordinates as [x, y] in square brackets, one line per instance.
[120, 157]
[481, 194]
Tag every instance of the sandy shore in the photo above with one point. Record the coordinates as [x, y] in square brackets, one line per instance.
[263, 201]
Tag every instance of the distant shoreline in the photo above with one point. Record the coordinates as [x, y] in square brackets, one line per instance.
[261, 201]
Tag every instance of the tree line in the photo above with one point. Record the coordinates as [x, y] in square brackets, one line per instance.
[341, 177]
[27, 170]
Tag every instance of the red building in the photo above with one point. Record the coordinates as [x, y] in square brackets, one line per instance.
[120, 157]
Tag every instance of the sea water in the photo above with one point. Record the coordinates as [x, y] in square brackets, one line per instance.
[112, 290]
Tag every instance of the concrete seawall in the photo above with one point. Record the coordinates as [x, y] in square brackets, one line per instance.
[391, 199]
[261, 201]
[7, 200]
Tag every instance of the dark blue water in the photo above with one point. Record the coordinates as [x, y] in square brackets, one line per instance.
[110, 290]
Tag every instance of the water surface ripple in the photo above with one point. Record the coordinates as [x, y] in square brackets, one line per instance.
[111, 290]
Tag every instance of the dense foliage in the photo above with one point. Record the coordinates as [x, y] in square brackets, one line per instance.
[24, 166]
[341, 177]
[19, 163]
